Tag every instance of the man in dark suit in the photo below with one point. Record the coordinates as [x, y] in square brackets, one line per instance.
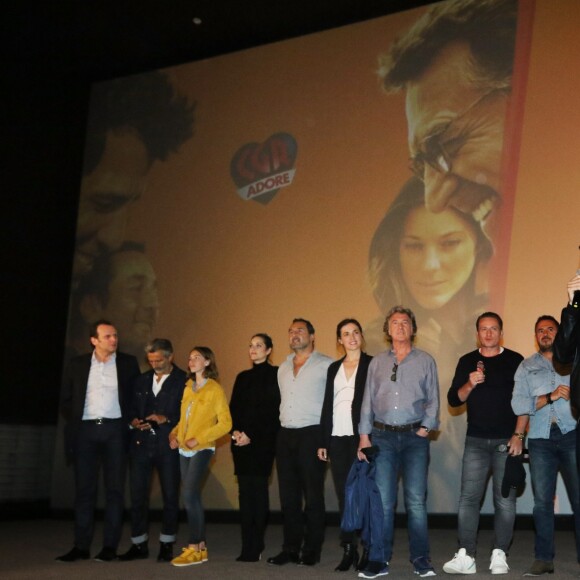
[154, 411]
[95, 394]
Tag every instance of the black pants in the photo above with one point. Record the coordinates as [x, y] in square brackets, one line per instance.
[301, 479]
[342, 454]
[254, 509]
[96, 444]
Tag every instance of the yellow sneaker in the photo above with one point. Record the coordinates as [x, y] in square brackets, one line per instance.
[189, 557]
[204, 555]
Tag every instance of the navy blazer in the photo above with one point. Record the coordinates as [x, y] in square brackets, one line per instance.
[167, 401]
[326, 417]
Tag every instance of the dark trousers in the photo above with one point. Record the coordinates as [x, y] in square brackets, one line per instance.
[301, 479]
[96, 444]
[254, 509]
[342, 454]
[142, 459]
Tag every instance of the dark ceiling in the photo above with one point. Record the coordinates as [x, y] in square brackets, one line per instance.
[99, 39]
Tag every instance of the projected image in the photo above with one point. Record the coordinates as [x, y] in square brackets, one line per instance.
[122, 286]
[455, 65]
[370, 188]
[433, 247]
[133, 122]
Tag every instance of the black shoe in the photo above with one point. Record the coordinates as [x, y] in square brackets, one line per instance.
[106, 555]
[135, 552]
[284, 558]
[363, 562]
[165, 552]
[349, 558]
[243, 557]
[74, 555]
[308, 559]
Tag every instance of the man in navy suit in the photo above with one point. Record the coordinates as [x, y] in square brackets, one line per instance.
[154, 411]
[95, 394]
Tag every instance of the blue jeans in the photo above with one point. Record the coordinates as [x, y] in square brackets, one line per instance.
[408, 454]
[193, 470]
[547, 456]
[479, 458]
[144, 456]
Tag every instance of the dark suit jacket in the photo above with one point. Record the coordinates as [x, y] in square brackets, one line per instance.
[167, 402]
[74, 390]
[326, 417]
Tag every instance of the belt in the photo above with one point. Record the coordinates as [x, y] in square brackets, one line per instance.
[101, 420]
[396, 428]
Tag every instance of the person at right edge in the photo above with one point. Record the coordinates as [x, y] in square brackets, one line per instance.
[567, 346]
[484, 380]
[542, 392]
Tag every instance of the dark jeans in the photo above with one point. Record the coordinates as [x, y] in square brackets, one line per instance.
[547, 457]
[143, 458]
[301, 478]
[193, 470]
[342, 454]
[254, 509]
[479, 458]
[407, 454]
[96, 444]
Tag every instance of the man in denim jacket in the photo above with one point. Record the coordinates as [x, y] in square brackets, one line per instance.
[543, 394]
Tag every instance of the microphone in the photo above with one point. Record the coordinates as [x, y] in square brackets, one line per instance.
[481, 367]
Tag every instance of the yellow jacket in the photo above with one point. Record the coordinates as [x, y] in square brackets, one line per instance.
[209, 416]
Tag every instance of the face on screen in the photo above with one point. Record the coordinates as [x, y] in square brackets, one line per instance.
[117, 180]
[456, 137]
[437, 255]
[132, 302]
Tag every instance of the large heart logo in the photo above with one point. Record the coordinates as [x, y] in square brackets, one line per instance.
[260, 170]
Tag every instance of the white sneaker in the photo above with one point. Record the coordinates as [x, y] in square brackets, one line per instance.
[498, 563]
[461, 564]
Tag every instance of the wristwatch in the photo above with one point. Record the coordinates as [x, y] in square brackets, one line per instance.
[426, 428]
[549, 399]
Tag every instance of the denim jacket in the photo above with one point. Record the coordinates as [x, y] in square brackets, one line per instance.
[535, 377]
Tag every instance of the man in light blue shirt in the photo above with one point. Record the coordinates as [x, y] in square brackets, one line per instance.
[400, 407]
[543, 394]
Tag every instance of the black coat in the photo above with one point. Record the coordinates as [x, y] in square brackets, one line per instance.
[74, 391]
[567, 349]
[255, 410]
[326, 417]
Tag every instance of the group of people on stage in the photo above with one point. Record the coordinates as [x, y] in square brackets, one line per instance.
[354, 412]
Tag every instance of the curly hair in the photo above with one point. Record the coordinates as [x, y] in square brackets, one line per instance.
[147, 104]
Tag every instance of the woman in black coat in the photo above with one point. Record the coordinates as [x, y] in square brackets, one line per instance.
[255, 410]
[345, 384]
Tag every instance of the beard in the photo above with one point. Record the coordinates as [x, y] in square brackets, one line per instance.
[546, 347]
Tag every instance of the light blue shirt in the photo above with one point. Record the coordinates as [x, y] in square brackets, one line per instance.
[535, 377]
[301, 396]
[413, 397]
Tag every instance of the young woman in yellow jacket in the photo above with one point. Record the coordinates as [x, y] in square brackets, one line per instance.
[205, 417]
